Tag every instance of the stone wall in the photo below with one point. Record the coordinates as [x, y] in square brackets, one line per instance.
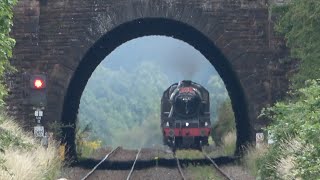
[53, 37]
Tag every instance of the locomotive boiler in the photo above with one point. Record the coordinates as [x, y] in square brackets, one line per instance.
[185, 115]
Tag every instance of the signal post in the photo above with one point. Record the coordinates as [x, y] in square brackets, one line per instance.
[38, 100]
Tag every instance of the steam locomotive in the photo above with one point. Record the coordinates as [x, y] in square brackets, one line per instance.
[185, 116]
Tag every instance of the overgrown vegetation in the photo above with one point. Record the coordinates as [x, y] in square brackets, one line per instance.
[295, 126]
[251, 160]
[295, 121]
[227, 146]
[22, 157]
[225, 122]
[85, 146]
[228, 143]
[6, 44]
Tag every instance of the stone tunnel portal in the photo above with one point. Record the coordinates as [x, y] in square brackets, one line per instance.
[144, 27]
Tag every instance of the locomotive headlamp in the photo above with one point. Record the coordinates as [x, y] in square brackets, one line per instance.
[206, 123]
[167, 124]
[187, 124]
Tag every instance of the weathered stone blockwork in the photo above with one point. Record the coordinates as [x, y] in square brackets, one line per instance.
[53, 36]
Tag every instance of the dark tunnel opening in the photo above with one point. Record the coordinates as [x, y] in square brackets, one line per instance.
[144, 27]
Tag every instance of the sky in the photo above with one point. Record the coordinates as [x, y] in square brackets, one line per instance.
[176, 58]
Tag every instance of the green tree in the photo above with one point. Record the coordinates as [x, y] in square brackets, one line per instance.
[218, 95]
[225, 122]
[300, 23]
[117, 101]
[6, 42]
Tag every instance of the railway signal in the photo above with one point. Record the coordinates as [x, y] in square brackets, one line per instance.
[38, 81]
[37, 90]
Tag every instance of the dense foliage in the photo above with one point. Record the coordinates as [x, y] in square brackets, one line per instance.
[6, 43]
[296, 120]
[300, 23]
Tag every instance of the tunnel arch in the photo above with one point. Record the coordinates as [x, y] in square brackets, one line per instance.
[144, 27]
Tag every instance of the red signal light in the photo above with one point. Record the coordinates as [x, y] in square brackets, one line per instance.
[38, 83]
[37, 94]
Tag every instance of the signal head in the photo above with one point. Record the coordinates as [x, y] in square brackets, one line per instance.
[38, 82]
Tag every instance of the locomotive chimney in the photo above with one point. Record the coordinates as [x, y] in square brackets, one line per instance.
[187, 82]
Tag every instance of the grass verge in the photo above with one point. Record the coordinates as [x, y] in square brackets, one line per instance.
[201, 172]
[22, 157]
[251, 158]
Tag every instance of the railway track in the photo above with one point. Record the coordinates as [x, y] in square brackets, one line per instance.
[105, 158]
[179, 167]
[134, 163]
[218, 170]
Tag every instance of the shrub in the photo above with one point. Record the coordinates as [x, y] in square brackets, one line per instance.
[225, 122]
[229, 143]
[227, 146]
[296, 119]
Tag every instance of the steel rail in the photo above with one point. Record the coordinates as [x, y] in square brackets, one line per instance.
[134, 163]
[220, 171]
[105, 158]
[179, 167]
